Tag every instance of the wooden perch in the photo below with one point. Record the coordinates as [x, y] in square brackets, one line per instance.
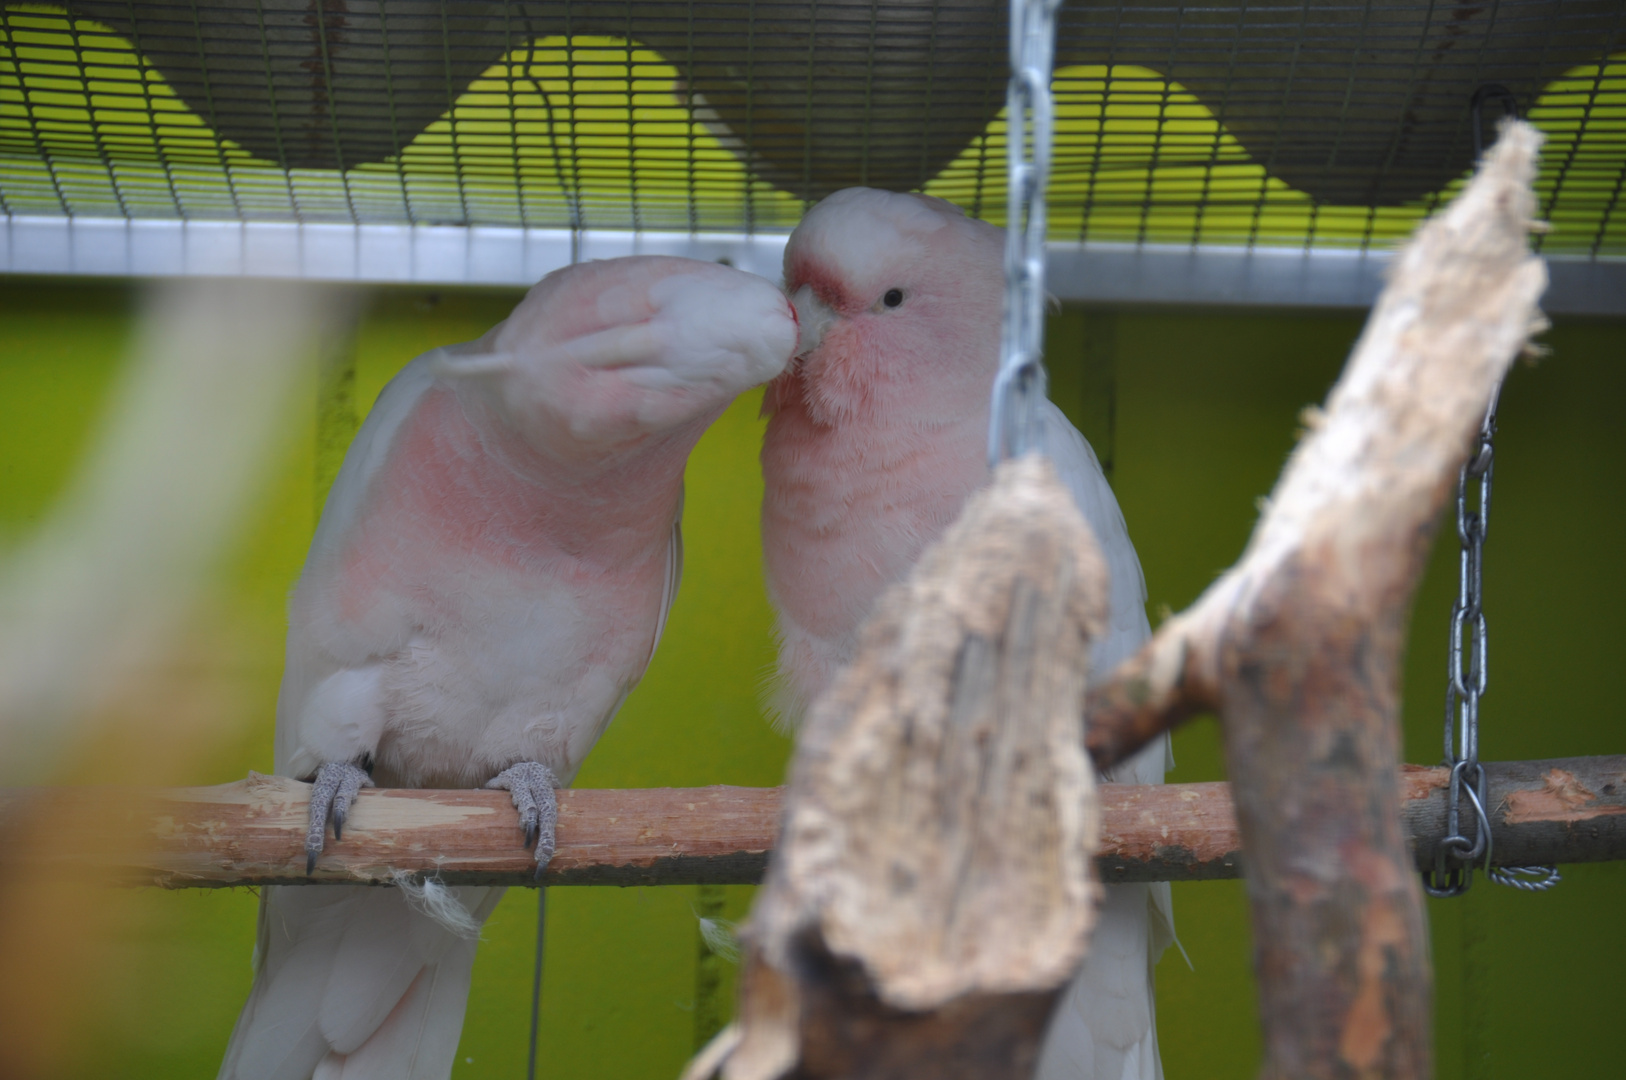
[250, 833]
[1298, 646]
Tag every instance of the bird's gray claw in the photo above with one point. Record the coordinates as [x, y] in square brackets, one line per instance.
[332, 792]
[532, 787]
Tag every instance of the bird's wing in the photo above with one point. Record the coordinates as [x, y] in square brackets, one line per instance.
[330, 682]
[354, 982]
[1105, 1027]
[371, 447]
[1078, 468]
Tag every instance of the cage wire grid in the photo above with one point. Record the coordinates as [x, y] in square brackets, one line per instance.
[1310, 126]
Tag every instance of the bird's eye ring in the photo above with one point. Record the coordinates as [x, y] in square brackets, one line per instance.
[893, 297]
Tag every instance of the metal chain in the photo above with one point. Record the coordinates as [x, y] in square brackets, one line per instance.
[1454, 859]
[1029, 121]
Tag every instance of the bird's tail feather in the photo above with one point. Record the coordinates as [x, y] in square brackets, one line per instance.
[418, 1039]
[355, 982]
[1105, 1023]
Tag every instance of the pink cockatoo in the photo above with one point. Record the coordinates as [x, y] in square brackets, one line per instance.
[877, 434]
[488, 581]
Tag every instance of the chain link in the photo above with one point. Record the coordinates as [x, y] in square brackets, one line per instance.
[1454, 859]
[1030, 116]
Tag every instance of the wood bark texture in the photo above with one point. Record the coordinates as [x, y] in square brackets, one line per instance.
[249, 833]
[1298, 646]
[932, 890]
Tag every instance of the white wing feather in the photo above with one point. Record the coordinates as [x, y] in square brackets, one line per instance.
[674, 577]
[1105, 1026]
[360, 984]
[1078, 468]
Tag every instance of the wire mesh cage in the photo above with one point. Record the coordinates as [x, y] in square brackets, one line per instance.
[1320, 124]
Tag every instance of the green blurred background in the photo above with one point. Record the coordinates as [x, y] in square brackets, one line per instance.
[1195, 410]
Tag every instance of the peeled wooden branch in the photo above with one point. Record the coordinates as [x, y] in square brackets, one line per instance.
[1298, 646]
[249, 833]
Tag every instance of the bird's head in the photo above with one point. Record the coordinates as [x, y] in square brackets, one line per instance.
[898, 300]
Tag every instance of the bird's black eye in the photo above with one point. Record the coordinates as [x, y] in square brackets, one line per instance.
[893, 297]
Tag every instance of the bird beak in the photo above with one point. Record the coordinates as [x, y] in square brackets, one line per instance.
[813, 318]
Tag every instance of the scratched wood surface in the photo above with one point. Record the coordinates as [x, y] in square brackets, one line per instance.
[250, 832]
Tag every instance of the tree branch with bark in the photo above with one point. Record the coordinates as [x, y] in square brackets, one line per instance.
[1298, 647]
[248, 833]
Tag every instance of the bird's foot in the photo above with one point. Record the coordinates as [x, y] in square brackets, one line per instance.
[332, 792]
[532, 787]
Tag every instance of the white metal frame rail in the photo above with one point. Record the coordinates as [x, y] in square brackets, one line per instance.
[455, 255]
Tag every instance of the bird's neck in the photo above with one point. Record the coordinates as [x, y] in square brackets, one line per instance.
[848, 506]
[478, 477]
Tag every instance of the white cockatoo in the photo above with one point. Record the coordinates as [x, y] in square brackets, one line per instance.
[488, 581]
[878, 432]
